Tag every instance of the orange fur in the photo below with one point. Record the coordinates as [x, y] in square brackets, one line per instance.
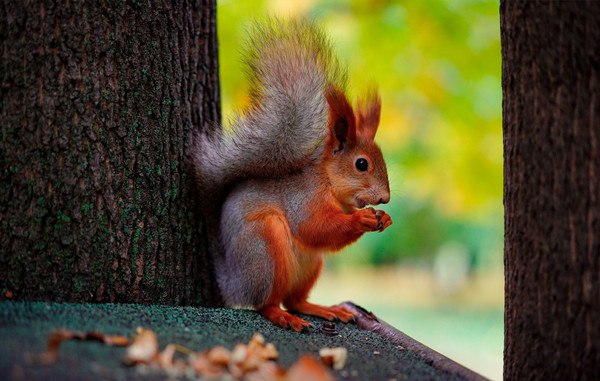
[329, 229]
[291, 281]
[333, 222]
[368, 111]
[277, 235]
[297, 170]
[301, 290]
[342, 123]
[297, 300]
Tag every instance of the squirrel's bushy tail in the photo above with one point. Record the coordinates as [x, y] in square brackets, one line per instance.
[289, 65]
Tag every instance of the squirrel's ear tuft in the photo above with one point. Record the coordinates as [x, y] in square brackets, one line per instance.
[368, 110]
[342, 124]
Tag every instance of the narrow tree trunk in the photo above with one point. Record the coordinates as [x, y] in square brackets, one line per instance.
[97, 101]
[551, 119]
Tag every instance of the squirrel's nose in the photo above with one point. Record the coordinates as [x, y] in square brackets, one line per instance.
[384, 199]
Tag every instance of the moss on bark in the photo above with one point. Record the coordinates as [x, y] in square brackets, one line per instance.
[97, 102]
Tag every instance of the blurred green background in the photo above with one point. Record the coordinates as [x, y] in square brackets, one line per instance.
[436, 273]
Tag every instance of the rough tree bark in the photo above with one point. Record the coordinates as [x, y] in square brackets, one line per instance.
[551, 121]
[96, 102]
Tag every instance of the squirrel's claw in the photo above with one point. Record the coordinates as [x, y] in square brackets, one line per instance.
[383, 220]
[306, 328]
[378, 215]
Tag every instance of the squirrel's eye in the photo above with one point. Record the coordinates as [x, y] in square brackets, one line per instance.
[362, 164]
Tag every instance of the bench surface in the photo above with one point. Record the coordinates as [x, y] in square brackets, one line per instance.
[25, 326]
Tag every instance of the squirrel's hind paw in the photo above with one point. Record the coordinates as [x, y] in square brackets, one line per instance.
[329, 313]
[285, 319]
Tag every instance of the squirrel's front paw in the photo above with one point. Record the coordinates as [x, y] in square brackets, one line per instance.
[384, 220]
[366, 220]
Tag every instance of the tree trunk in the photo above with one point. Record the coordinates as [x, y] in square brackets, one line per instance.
[551, 121]
[97, 101]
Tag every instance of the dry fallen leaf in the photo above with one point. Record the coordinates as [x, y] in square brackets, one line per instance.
[307, 368]
[257, 347]
[238, 357]
[165, 358]
[202, 365]
[334, 357]
[144, 348]
[219, 356]
[57, 337]
[239, 354]
[266, 371]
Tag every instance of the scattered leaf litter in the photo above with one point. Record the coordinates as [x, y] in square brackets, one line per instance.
[334, 357]
[253, 361]
[61, 335]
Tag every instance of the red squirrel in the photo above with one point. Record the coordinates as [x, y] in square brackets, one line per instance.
[298, 168]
